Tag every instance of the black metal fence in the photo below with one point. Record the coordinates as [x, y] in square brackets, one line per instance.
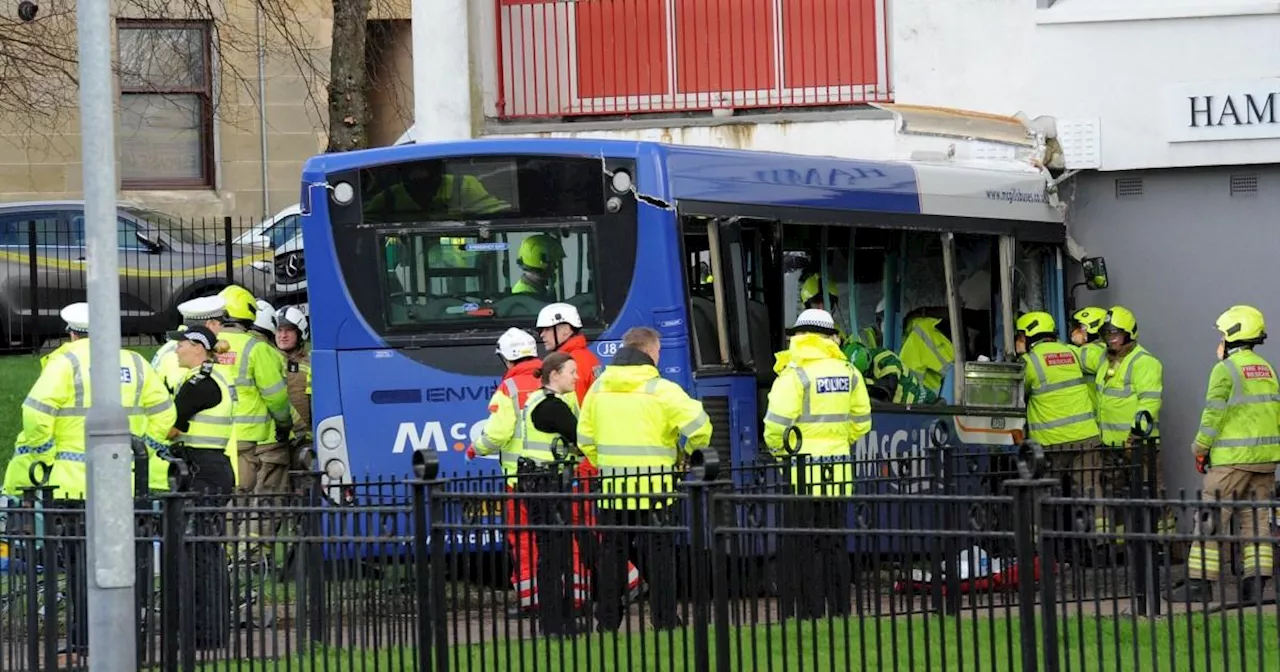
[163, 261]
[907, 564]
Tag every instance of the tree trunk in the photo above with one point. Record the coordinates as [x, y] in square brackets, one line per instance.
[348, 77]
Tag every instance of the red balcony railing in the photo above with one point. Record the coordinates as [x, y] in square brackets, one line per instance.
[559, 58]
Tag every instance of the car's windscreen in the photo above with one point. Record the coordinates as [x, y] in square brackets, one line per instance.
[478, 274]
[283, 231]
[169, 224]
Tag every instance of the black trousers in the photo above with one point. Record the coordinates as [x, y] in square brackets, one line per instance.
[813, 569]
[213, 481]
[657, 564]
[555, 553]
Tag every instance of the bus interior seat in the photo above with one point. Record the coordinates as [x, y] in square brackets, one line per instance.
[518, 305]
[585, 303]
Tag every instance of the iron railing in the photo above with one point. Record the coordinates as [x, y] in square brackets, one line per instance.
[163, 262]
[739, 572]
[622, 57]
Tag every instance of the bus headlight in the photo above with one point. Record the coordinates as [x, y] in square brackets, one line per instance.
[335, 470]
[343, 193]
[331, 438]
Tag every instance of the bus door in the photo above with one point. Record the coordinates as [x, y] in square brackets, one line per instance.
[727, 266]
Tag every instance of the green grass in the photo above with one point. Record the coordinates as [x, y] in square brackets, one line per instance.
[1085, 643]
[17, 374]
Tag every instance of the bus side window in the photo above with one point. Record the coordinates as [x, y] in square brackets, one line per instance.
[702, 302]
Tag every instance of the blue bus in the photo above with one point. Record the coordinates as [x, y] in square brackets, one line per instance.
[414, 250]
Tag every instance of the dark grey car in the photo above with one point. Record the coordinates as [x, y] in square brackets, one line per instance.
[163, 262]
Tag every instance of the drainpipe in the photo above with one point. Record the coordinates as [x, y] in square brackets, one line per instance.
[441, 96]
[262, 107]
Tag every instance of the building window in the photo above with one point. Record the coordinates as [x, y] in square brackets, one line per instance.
[166, 105]
[612, 57]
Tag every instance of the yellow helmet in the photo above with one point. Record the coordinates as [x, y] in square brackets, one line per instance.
[538, 253]
[1035, 324]
[1120, 318]
[1091, 318]
[1242, 323]
[240, 303]
[811, 286]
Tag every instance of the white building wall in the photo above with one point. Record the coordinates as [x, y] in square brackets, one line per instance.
[1122, 67]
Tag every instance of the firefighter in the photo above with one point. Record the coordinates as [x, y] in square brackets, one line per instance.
[927, 352]
[548, 414]
[503, 434]
[194, 312]
[812, 296]
[538, 257]
[53, 431]
[1237, 449]
[822, 395]
[1091, 350]
[292, 332]
[630, 424]
[263, 418]
[1131, 380]
[1060, 415]
[205, 405]
[560, 327]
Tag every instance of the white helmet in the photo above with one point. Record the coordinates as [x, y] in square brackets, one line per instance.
[559, 313]
[814, 319]
[292, 316]
[516, 344]
[880, 306]
[265, 319]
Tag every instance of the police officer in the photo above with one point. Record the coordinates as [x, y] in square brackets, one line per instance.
[53, 432]
[503, 434]
[205, 404]
[1131, 380]
[629, 426]
[822, 395]
[1091, 350]
[292, 333]
[195, 312]
[550, 414]
[1060, 415]
[1237, 449]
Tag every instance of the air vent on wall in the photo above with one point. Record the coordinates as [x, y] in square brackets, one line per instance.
[1128, 187]
[1244, 185]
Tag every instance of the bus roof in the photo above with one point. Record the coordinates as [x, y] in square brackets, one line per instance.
[766, 179]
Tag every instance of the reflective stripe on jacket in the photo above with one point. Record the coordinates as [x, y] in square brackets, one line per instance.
[1241, 419]
[1058, 408]
[537, 443]
[503, 433]
[258, 375]
[927, 352]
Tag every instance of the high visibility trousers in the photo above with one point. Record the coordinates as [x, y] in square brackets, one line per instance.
[524, 553]
[1204, 560]
[583, 516]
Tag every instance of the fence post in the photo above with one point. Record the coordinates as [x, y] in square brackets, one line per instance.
[428, 513]
[943, 585]
[721, 577]
[308, 561]
[704, 467]
[36, 498]
[1142, 480]
[1032, 484]
[228, 236]
[176, 622]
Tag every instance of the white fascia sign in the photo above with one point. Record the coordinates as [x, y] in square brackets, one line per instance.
[1222, 110]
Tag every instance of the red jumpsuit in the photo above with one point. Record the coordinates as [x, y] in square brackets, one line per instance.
[588, 369]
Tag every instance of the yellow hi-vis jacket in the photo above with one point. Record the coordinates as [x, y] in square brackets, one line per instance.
[630, 424]
[503, 432]
[927, 352]
[1241, 419]
[1134, 383]
[1092, 356]
[821, 393]
[17, 474]
[1058, 410]
[537, 443]
[258, 376]
[53, 417]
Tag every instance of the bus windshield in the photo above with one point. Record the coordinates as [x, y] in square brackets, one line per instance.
[473, 274]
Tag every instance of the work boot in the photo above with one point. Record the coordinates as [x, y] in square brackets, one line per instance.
[1251, 589]
[1194, 590]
